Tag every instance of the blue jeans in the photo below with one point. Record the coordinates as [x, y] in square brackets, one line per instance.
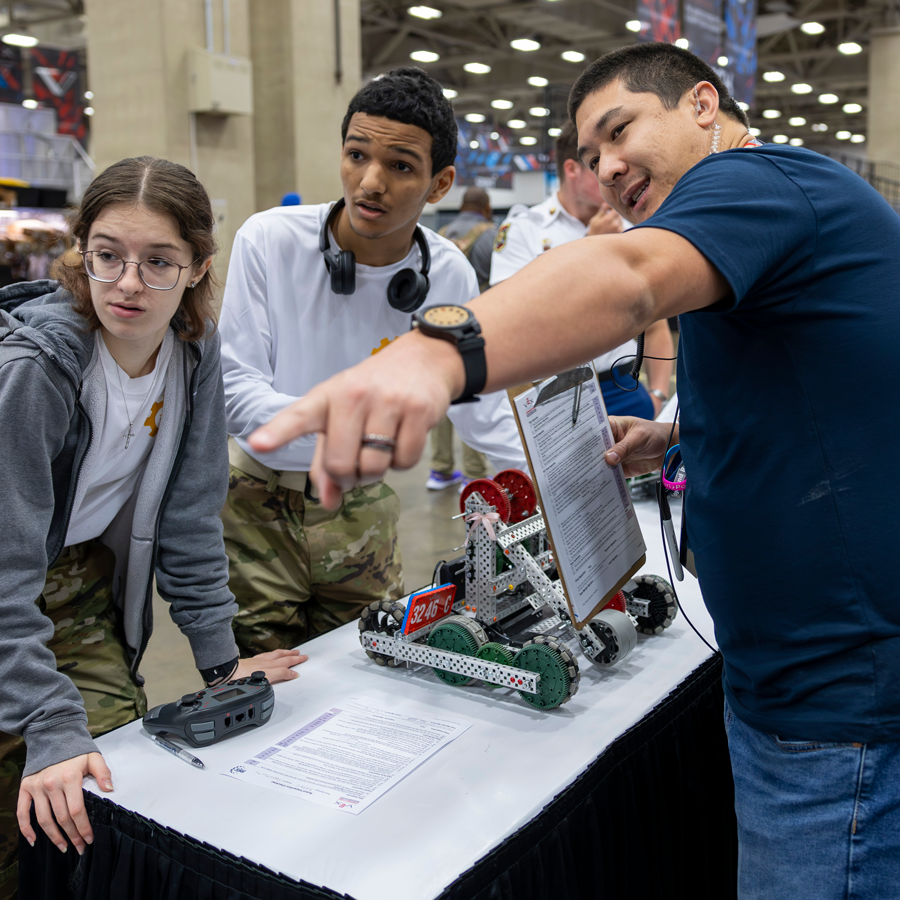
[626, 403]
[816, 821]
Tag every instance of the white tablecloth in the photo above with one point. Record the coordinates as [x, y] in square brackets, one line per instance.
[417, 839]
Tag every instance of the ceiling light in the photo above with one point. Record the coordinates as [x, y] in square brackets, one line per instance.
[474, 145]
[773, 76]
[819, 126]
[517, 123]
[424, 56]
[780, 138]
[633, 25]
[743, 106]
[796, 121]
[683, 43]
[424, 12]
[528, 139]
[796, 142]
[843, 135]
[828, 98]
[495, 136]
[450, 94]
[801, 88]
[539, 111]
[89, 110]
[771, 113]
[754, 131]
[538, 81]
[572, 56]
[812, 27]
[554, 132]
[20, 40]
[852, 108]
[502, 104]
[29, 104]
[88, 95]
[857, 139]
[722, 60]
[525, 44]
[848, 48]
[474, 117]
[477, 68]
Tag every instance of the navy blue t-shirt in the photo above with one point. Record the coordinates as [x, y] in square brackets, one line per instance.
[790, 431]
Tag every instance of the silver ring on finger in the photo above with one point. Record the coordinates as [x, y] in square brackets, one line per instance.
[379, 442]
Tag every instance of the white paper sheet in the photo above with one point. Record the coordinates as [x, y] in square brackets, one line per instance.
[349, 756]
[596, 535]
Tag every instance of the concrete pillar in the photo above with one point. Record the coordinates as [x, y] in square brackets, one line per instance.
[305, 71]
[883, 144]
[137, 62]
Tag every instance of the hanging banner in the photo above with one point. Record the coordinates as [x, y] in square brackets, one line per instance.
[10, 75]
[56, 83]
[740, 47]
[659, 20]
[703, 29]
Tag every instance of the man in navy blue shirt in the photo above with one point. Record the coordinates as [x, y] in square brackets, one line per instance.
[785, 270]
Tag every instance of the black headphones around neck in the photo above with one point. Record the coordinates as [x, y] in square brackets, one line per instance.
[408, 288]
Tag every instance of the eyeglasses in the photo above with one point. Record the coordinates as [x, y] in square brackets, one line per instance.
[157, 273]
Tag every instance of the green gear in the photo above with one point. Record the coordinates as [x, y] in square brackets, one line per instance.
[496, 653]
[450, 636]
[542, 655]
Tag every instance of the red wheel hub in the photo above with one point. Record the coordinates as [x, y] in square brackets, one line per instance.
[521, 492]
[491, 493]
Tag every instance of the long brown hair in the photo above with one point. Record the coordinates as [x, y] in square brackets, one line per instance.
[162, 187]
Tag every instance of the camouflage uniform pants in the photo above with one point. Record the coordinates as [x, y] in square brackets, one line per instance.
[298, 570]
[90, 648]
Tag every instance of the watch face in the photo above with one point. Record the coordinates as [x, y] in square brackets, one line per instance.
[446, 316]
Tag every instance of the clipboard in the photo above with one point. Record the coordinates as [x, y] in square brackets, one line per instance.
[594, 427]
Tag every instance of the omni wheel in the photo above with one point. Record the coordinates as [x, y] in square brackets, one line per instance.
[491, 493]
[521, 493]
[663, 607]
[459, 634]
[617, 634]
[383, 617]
[549, 658]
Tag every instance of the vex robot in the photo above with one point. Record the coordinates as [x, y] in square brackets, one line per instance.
[500, 615]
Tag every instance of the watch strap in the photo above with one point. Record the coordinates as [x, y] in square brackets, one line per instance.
[471, 349]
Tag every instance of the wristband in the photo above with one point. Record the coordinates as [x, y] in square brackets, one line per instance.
[218, 674]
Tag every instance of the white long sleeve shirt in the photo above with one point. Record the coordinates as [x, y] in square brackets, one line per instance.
[284, 331]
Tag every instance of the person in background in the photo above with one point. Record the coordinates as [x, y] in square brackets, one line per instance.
[575, 211]
[473, 232]
[114, 470]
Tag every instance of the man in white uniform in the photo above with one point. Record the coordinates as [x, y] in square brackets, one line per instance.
[313, 290]
[575, 211]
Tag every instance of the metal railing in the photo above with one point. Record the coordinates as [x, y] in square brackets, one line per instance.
[883, 176]
[46, 160]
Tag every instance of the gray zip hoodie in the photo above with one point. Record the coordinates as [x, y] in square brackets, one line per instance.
[52, 403]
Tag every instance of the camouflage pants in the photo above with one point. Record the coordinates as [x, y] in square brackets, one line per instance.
[474, 463]
[90, 648]
[298, 570]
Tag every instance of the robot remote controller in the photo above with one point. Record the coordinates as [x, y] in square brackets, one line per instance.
[211, 714]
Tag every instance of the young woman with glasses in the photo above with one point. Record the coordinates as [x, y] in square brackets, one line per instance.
[114, 470]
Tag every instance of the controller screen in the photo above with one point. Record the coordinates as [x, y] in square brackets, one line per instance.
[234, 692]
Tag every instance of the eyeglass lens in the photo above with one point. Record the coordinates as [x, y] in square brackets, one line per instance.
[155, 273]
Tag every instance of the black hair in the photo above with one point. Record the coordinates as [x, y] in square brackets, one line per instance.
[653, 68]
[413, 97]
[566, 148]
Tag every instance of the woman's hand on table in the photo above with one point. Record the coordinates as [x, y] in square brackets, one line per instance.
[59, 801]
[277, 664]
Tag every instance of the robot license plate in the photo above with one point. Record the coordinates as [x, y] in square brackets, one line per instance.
[428, 607]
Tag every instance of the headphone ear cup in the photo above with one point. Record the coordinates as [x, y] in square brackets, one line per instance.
[347, 272]
[408, 290]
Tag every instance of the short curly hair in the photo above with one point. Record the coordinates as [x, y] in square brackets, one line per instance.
[413, 97]
[162, 187]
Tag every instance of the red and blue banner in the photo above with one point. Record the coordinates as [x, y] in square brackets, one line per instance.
[659, 20]
[56, 82]
[740, 47]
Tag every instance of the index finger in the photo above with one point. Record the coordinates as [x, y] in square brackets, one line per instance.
[307, 415]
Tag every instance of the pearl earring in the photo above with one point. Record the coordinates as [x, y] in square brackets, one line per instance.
[193, 283]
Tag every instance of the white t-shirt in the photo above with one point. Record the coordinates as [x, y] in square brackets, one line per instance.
[133, 406]
[284, 330]
[526, 234]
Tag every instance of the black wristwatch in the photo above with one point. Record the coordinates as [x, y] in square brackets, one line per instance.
[457, 325]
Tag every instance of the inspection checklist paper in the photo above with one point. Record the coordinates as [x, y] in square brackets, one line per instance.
[348, 756]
